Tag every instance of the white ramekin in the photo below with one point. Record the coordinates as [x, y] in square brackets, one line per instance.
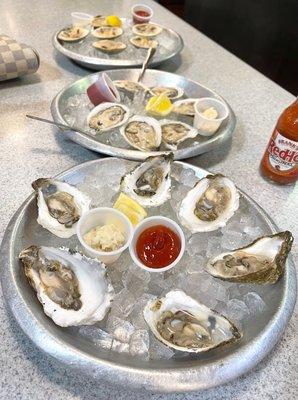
[207, 126]
[102, 216]
[138, 18]
[147, 223]
[81, 19]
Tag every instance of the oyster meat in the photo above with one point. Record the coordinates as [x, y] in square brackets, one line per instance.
[182, 323]
[175, 132]
[130, 86]
[98, 21]
[185, 107]
[210, 204]
[107, 32]
[142, 133]
[171, 92]
[109, 46]
[150, 182]
[107, 116]
[72, 288]
[263, 261]
[143, 42]
[60, 206]
[72, 34]
[146, 30]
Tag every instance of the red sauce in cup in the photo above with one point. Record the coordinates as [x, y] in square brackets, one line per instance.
[142, 13]
[158, 246]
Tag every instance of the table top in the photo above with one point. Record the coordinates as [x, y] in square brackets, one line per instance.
[30, 150]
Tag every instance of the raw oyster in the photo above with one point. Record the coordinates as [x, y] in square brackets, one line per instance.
[185, 107]
[210, 204]
[142, 133]
[150, 182]
[72, 34]
[109, 46]
[98, 21]
[72, 288]
[107, 116]
[107, 32]
[182, 323]
[175, 132]
[130, 86]
[60, 206]
[146, 30]
[143, 42]
[171, 92]
[263, 261]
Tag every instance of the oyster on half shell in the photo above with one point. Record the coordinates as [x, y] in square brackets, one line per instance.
[72, 288]
[185, 107]
[60, 206]
[129, 86]
[143, 42]
[209, 204]
[184, 324]
[150, 182]
[109, 46]
[72, 34]
[175, 132]
[171, 92]
[107, 32]
[262, 261]
[147, 30]
[107, 116]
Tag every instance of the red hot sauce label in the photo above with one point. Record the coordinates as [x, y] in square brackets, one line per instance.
[282, 152]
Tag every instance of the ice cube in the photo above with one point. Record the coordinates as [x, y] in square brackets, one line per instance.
[121, 330]
[139, 343]
[91, 332]
[196, 245]
[213, 246]
[124, 301]
[236, 310]
[253, 232]
[133, 283]
[159, 351]
[188, 177]
[196, 265]
[120, 347]
[255, 303]
[232, 240]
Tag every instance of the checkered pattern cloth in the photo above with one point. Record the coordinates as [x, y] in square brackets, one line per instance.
[16, 59]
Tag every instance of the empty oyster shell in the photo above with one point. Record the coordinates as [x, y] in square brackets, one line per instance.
[150, 182]
[107, 116]
[142, 133]
[98, 21]
[109, 46]
[210, 204]
[263, 261]
[182, 323]
[143, 42]
[107, 32]
[72, 288]
[60, 206]
[171, 92]
[185, 107]
[130, 86]
[175, 132]
[147, 30]
[72, 34]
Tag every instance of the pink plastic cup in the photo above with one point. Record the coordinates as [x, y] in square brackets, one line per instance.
[141, 13]
[103, 90]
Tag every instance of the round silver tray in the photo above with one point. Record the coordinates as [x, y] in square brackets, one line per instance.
[187, 373]
[151, 78]
[170, 44]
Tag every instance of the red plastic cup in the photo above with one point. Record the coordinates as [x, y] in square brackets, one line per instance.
[103, 90]
[141, 13]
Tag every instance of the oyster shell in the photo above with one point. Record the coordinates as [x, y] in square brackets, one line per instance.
[107, 116]
[182, 323]
[107, 32]
[143, 42]
[130, 86]
[175, 132]
[98, 21]
[142, 133]
[60, 206]
[150, 182]
[262, 261]
[72, 288]
[147, 30]
[171, 92]
[185, 107]
[209, 204]
[109, 46]
[72, 34]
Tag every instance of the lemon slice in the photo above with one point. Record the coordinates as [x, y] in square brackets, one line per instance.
[159, 105]
[113, 20]
[131, 208]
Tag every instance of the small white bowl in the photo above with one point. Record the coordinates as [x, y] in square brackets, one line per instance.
[147, 223]
[99, 217]
[207, 126]
[81, 19]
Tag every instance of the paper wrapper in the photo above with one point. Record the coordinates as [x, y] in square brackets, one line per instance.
[16, 59]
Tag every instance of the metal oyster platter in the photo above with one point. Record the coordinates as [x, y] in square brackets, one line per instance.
[261, 312]
[82, 52]
[72, 106]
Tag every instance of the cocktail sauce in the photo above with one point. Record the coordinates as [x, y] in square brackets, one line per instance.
[142, 13]
[158, 246]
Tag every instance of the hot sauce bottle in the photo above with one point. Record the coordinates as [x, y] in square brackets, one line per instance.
[280, 160]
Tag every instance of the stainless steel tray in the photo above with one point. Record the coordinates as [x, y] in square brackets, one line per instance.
[82, 52]
[189, 148]
[186, 373]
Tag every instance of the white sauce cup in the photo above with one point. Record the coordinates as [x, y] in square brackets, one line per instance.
[207, 126]
[99, 217]
[138, 18]
[148, 223]
[81, 19]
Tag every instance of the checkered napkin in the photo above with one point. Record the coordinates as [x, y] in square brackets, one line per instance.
[16, 59]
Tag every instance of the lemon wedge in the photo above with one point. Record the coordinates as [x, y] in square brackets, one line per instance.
[113, 20]
[131, 208]
[159, 105]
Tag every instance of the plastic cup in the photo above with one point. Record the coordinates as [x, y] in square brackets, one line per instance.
[103, 90]
[207, 126]
[99, 217]
[139, 19]
[81, 19]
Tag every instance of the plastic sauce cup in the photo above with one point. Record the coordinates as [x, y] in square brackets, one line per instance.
[207, 126]
[81, 19]
[141, 19]
[103, 90]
